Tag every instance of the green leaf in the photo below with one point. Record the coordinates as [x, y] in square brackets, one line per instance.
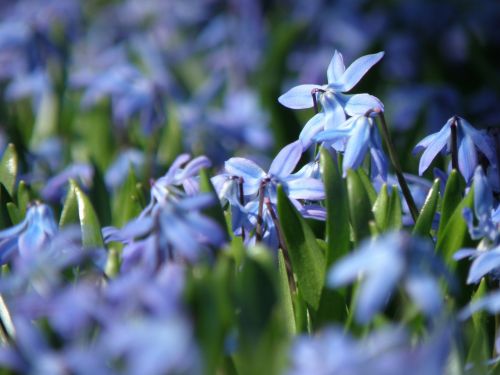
[9, 168]
[395, 212]
[100, 197]
[455, 233]
[77, 208]
[126, 203]
[23, 197]
[425, 218]
[381, 208]
[452, 197]
[14, 213]
[285, 296]
[370, 190]
[360, 206]
[5, 198]
[215, 211]
[337, 208]
[171, 138]
[307, 259]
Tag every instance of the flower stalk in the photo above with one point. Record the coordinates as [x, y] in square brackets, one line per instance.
[397, 166]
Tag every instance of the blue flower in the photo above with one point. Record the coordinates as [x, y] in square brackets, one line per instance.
[384, 263]
[468, 140]
[30, 236]
[382, 352]
[488, 224]
[361, 135]
[246, 186]
[335, 104]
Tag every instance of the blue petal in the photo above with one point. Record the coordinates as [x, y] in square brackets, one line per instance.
[286, 160]
[491, 303]
[332, 135]
[480, 140]
[312, 127]
[7, 249]
[348, 269]
[193, 167]
[357, 70]
[484, 264]
[336, 68]
[424, 290]
[464, 253]
[334, 112]
[483, 196]
[467, 157]
[435, 145]
[359, 104]
[305, 188]
[178, 162]
[244, 168]
[298, 97]
[15, 230]
[379, 163]
[357, 145]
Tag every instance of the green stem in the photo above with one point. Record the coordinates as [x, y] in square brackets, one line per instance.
[397, 167]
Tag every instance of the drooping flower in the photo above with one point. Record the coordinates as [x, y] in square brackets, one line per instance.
[469, 140]
[360, 134]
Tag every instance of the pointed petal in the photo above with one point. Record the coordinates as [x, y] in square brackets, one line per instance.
[480, 140]
[336, 68]
[467, 157]
[286, 160]
[312, 127]
[193, 167]
[359, 104]
[178, 162]
[438, 142]
[358, 69]
[305, 188]
[332, 135]
[464, 253]
[334, 112]
[298, 97]
[483, 264]
[483, 196]
[357, 145]
[244, 168]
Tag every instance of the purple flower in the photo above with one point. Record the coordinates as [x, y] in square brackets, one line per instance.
[468, 140]
[30, 236]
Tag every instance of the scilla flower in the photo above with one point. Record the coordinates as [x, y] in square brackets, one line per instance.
[335, 104]
[30, 235]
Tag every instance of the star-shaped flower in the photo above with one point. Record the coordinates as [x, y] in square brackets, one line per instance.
[335, 104]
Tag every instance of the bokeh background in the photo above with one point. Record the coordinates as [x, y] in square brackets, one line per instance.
[140, 81]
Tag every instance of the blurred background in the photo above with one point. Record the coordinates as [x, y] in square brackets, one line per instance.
[137, 82]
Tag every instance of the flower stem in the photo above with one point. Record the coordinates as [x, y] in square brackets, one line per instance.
[260, 220]
[315, 99]
[454, 147]
[397, 167]
[242, 202]
[282, 244]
